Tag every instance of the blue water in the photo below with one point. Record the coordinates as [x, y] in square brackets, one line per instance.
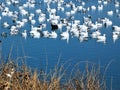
[42, 51]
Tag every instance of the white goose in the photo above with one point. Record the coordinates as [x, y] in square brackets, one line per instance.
[83, 3]
[84, 34]
[100, 7]
[60, 26]
[53, 34]
[38, 11]
[42, 18]
[79, 8]
[25, 20]
[110, 13]
[23, 12]
[45, 34]
[93, 7]
[74, 32]
[35, 34]
[117, 4]
[68, 5]
[101, 38]
[53, 11]
[4, 14]
[14, 30]
[68, 14]
[24, 34]
[5, 25]
[20, 24]
[108, 23]
[8, 3]
[117, 11]
[99, 1]
[105, 2]
[96, 34]
[116, 28]
[33, 21]
[81, 39]
[65, 36]
[115, 36]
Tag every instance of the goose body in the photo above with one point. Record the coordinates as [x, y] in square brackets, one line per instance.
[35, 34]
[110, 13]
[100, 7]
[65, 36]
[115, 36]
[5, 25]
[24, 34]
[45, 34]
[53, 34]
[95, 34]
[101, 38]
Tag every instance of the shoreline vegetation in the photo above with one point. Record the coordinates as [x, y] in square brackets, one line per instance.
[21, 77]
[15, 74]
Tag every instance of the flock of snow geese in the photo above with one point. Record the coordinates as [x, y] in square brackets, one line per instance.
[57, 19]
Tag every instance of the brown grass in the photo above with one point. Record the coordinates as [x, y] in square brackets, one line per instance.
[14, 77]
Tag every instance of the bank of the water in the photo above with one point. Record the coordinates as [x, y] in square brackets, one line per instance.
[15, 77]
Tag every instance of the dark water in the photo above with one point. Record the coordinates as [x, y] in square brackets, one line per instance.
[40, 51]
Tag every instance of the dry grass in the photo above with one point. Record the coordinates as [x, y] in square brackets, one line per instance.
[14, 77]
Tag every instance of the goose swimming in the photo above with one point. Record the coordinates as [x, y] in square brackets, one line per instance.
[116, 28]
[65, 36]
[24, 34]
[115, 36]
[14, 30]
[101, 38]
[53, 34]
[6, 25]
[62, 18]
[110, 13]
[45, 34]
[93, 7]
[100, 7]
[96, 34]
[35, 34]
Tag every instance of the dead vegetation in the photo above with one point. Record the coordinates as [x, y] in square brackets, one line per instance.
[14, 77]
